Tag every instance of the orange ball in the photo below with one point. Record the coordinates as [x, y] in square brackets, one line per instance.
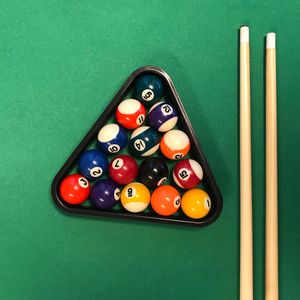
[175, 144]
[165, 200]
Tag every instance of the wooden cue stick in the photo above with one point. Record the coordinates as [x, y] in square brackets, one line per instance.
[246, 251]
[271, 268]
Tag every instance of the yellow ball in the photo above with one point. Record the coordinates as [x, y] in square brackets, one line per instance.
[195, 203]
[135, 197]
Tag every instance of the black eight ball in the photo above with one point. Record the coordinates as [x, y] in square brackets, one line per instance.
[153, 172]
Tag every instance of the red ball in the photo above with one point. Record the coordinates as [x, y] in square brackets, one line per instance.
[187, 173]
[130, 114]
[74, 189]
[123, 169]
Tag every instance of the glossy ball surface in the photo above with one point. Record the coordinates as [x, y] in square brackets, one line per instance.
[144, 141]
[135, 197]
[187, 173]
[105, 194]
[74, 189]
[196, 203]
[162, 116]
[123, 169]
[130, 113]
[112, 138]
[165, 200]
[153, 172]
[175, 144]
[148, 89]
[92, 164]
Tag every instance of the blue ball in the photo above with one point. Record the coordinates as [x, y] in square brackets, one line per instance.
[112, 138]
[144, 141]
[148, 89]
[162, 116]
[92, 164]
[105, 194]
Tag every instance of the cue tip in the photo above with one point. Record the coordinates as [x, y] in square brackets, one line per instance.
[271, 40]
[244, 34]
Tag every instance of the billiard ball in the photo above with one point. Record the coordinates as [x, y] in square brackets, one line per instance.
[105, 194]
[144, 141]
[153, 172]
[148, 89]
[187, 173]
[92, 164]
[112, 138]
[130, 114]
[123, 169]
[196, 203]
[135, 197]
[165, 200]
[175, 144]
[162, 116]
[74, 189]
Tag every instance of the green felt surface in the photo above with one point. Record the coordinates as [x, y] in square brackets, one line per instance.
[60, 64]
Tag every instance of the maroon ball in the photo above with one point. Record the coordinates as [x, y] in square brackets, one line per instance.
[123, 169]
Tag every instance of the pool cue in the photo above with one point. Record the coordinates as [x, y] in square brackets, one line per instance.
[246, 251]
[271, 267]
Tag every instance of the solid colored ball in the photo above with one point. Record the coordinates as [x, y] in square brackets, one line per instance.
[74, 189]
[196, 203]
[144, 141]
[130, 114]
[92, 163]
[105, 194]
[135, 197]
[112, 138]
[162, 116]
[175, 144]
[165, 200]
[148, 89]
[123, 169]
[187, 173]
[153, 172]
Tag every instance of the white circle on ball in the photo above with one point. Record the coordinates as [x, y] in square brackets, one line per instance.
[118, 163]
[177, 201]
[83, 182]
[177, 155]
[207, 203]
[176, 139]
[184, 174]
[117, 193]
[139, 145]
[96, 172]
[166, 109]
[108, 133]
[113, 148]
[140, 119]
[129, 106]
[130, 192]
[162, 181]
[147, 95]
[155, 105]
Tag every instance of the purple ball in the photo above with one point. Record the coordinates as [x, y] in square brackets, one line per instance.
[162, 116]
[105, 194]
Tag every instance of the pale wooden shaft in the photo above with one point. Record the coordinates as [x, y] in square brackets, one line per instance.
[271, 267]
[246, 255]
